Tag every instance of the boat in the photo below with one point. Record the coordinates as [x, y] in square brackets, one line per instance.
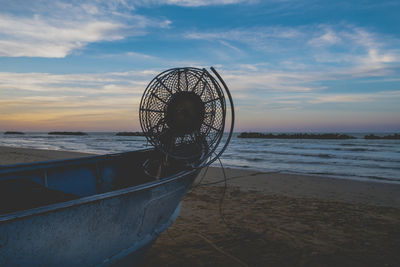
[109, 209]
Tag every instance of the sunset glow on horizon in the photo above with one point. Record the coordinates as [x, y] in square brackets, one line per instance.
[291, 66]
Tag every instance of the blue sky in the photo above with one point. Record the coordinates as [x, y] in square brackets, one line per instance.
[291, 65]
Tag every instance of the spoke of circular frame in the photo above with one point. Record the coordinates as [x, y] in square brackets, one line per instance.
[212, 127]
[179, 81]
[198, 80]
[159, 123]
[166, 88]
[204, 87]
[156, 96]
[186, 78]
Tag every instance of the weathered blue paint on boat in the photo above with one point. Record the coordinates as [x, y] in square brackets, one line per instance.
[118, 212]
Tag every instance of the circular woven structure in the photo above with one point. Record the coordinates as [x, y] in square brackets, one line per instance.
[182, 113]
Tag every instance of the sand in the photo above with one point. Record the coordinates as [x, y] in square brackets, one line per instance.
[272, 219]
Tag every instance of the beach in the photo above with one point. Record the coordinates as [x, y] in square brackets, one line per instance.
[271, 219]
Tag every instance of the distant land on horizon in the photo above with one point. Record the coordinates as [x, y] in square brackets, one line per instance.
[395, 136]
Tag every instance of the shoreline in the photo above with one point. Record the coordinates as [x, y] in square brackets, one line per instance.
[308, 186]
[329, 176]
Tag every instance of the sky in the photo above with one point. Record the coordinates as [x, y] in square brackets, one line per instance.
[291, 66]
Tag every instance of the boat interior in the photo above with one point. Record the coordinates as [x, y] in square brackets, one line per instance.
[27, 186]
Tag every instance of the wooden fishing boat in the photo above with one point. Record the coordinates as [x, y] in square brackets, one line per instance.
[109, 209]
[91, 211]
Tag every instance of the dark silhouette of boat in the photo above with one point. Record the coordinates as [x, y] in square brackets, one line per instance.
[87, 211]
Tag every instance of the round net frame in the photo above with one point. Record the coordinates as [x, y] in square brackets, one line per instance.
[198, 142]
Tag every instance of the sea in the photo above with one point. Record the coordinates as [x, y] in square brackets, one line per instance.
[355, 159]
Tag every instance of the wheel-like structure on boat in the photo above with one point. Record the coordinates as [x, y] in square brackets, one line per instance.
[183, 114]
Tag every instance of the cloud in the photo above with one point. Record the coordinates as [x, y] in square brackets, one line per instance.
[203, 2]
[329, 37]
[106, 101]
[341, 50]
[54, 29]
[341, 98]
[193, 3]
[139, 55]
[259, 38]
[261, 89]
[82, 84]
[36, 37]
[353, 98]
[109, 101]
[264, 80]
[38, 31]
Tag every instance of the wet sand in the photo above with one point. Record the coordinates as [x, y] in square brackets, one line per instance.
[272, 219]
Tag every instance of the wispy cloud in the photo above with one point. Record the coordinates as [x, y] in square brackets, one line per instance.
[37, 37]
[193, 3]
[81, 83]
[336, 50]
[258, 38]
[353, 98]
[34, 29]
[37, 30]
[267, 80]
[109, 101]
[329, 37]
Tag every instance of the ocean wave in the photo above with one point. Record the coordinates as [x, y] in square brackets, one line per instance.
[361, 149]
[325, 156]
[369, 177]
[365, 144]
[331, 156]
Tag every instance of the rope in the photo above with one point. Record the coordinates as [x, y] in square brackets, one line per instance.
[212, 244]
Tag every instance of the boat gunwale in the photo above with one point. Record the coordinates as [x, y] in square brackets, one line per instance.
[93, 198]
[61, 162]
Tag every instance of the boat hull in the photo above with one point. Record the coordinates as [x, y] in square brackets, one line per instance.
[99, 230]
